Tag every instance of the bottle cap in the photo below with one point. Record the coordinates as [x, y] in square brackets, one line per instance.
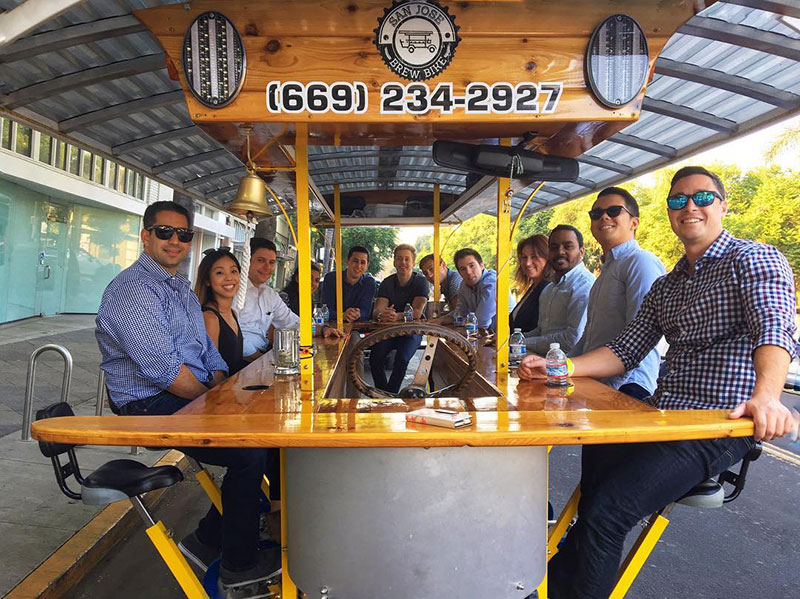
[555, 346]
[517, 330]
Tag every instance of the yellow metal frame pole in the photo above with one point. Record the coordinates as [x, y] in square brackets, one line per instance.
[638, 555]
[303, 253]
[177, 564]
[503, 252]
[436, 254]
[337, 234]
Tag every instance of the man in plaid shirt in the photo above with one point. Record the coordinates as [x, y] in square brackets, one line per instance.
[727, 310]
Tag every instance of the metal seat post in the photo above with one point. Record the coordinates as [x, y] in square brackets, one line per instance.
[27, 410]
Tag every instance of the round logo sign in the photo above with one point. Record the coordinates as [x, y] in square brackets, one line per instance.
[416, 39]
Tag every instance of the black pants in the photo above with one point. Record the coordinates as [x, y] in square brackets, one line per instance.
[620, 485]
[236, 532]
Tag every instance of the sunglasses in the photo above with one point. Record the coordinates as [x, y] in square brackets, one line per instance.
[164, 233]
[701, 199]
[612, 211]
[223, 249]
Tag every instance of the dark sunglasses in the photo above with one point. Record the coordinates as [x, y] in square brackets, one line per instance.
[612, 211]
[164, 233]
[701, 199]
[223, 249]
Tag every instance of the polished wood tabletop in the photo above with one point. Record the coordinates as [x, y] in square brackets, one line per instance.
[284, 415]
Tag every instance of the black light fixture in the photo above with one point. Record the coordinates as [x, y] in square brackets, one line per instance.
[214, 60]
[617, 61]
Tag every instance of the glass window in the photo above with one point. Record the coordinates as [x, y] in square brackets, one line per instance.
[45, 148]
[101, 244]
[74, 160]
[138, 186]
[61, 155]
[97, 171]
[86, 164]
[5, 140]
[111, 174]
[120, 187]
[24, 140]
[130, 178]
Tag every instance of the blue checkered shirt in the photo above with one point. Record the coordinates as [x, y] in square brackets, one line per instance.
[148, 325]
[741, 296]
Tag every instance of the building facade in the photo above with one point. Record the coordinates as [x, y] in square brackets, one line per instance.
[70, 221]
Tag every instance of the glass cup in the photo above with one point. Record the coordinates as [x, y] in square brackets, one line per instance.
[286, 351]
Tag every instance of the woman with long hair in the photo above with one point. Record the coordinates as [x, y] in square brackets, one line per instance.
[216, 288]
[531, 277]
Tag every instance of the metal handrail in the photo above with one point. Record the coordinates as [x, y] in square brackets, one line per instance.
[27, 410]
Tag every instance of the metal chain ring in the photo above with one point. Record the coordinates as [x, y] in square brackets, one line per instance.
[401, 330]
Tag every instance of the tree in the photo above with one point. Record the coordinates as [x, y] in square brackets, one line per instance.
[380, 242]
[788, 139]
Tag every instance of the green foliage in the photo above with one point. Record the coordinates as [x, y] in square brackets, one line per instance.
[478, 233]
[380, 242]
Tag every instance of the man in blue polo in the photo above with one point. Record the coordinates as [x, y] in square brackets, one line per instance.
[627, 275]
[157, 358]
[358, 287]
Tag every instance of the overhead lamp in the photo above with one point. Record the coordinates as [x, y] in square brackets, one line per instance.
[251, 197]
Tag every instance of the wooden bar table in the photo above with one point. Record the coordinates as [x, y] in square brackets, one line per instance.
[378, 507]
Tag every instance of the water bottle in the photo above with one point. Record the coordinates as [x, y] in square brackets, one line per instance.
[556, 366]
[408, 313]
[326, 315]
[516, 345]
[458, 319]
[317, 321]
[472, 326]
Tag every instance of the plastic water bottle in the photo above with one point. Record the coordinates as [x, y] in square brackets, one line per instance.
[458, 319]
[326, 315]
[472, 326]
[317, 321]
[516, 345]
[408, 313]
[556, 367]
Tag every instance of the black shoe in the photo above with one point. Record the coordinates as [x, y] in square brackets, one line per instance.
[268, 565]
[197, 552]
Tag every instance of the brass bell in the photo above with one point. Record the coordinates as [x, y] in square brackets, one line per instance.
[251, 197]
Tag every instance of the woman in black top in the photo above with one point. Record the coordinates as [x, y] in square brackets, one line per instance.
[531, 277]
[216, 287]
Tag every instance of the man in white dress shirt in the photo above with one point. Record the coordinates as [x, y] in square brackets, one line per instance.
[262, 305]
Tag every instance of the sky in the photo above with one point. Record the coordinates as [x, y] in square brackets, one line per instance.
[747, 152]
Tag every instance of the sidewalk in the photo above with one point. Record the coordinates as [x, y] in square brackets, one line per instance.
[35, 518]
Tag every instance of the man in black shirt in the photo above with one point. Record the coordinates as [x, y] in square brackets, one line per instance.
[397, 290]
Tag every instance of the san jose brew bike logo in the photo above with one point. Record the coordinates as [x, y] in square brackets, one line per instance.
[416, 39]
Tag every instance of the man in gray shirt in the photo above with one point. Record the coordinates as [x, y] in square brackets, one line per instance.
[627, 275]
[562, 305]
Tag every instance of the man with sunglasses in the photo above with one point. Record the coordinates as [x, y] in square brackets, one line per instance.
[628, 273]
[727, 310]
[157, 358]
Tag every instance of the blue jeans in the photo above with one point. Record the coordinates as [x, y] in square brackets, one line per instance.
[620, 485]
[405, 346]
[237, 531]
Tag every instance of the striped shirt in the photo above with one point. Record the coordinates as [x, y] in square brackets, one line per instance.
[741, 296]
[150, 324]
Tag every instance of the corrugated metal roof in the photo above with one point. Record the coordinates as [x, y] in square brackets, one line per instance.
[732, 68]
